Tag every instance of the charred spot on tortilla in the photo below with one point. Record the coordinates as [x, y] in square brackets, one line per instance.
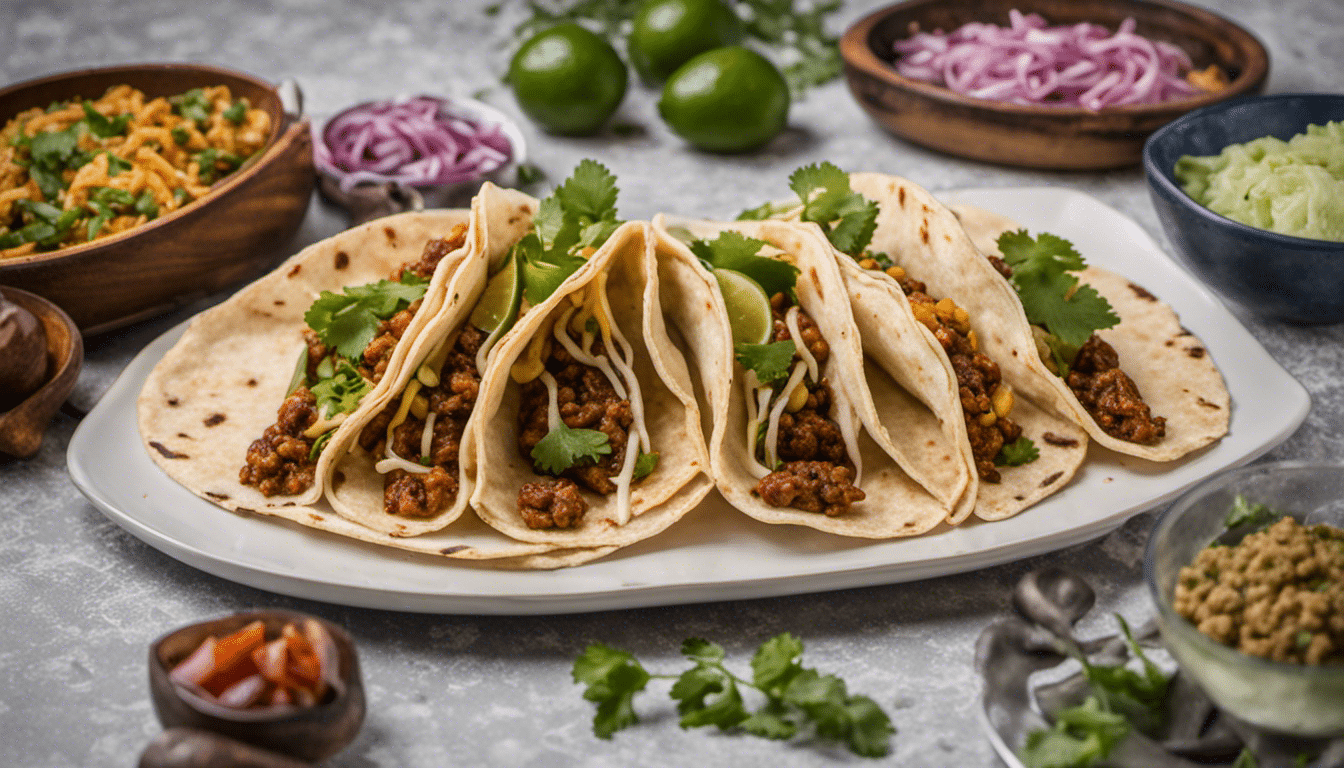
[251, 382]
[342, 260]
[315, 517]
[166, 452]
[214, 419]
[821, 293]
[900, 197]
[288, 504]
[1195, 352]
[1185, 332]
[294, 270]
[454, 550]
[1019, 498]
[391, 236]
[1051, 479]
[512, 220]
[1169, 342]
[1062, 442]
[279, 302]
[245, 510]
[924, 230]
[1142, 292]
[217, 496]
[173, 401]
[184, 435]
[1207, 404]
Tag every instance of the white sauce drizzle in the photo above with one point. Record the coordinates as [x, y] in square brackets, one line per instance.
[772, 430]
[553, 408]
[396, 462]
[795, 332]
[427, 436]
[758, 398]
[622, 361]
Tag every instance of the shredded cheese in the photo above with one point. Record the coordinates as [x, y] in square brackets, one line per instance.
[324, 424]
[412, 390]
[529, 365]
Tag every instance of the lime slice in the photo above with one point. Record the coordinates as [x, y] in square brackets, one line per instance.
[748, 307]
[498, 305]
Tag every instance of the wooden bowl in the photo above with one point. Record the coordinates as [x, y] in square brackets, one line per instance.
[1037, 136]
[226, 237]
[22, 426]
[307, 733]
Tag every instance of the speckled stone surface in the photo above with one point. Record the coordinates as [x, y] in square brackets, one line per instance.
[82, 598]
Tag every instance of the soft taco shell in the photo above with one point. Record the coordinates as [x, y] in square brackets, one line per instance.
[681, 477]
[1172, 368]
[896, 503]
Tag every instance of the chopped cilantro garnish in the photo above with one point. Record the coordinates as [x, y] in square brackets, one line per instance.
[1080, 737]
[766, 211]
[735, 251]
[710, 694]
[193, 106]
[146, 206]
[563, 447]
[102, 126]
[769, 361]
[348, 321]
[645, 464]
[1052, 297]
[115, 164]
[579, 214]
[1253, 514]
[341, 391]
[1015, 454]
[180, 135]
[236, 112]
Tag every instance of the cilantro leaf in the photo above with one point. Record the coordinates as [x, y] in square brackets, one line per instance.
[348, 321]
[707, 695]
[1015, 454]
[102, 126]
[1244, 512]
[340, 392]
[563, 447]
[870, 729]
[766, 211]
[236, 112]
[612, 677]
[735, 251]
[1080, 737]
[579, 214]
[776, 663]
[769, 361]
[1051, 296]
[645, 464]
[590, 192]
[847, 217]
[770, 724]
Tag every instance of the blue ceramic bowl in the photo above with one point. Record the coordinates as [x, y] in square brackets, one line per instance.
[1277, 276]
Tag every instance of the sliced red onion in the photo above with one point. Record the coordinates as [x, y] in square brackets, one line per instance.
[1075, 65]
[419, 141]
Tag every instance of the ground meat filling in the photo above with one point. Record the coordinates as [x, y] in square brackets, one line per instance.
[1111, 397]
[1278, 593]
[587, 401]
[985, 404]
[551, 504]
[422, 495]
[817, 475]
[277, 463]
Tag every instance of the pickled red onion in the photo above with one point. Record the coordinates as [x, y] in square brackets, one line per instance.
[1077, 65]
[420, 141]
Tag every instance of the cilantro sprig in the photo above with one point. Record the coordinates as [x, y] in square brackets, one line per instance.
[1245, 512]
[1052, 297]
[847, 217]
[1121, 699]
[735, 251]
[563, 447]
[580, 214]
[1015, 454]
[795, 699]
[769, 361]
[339, 388]
[348, 321]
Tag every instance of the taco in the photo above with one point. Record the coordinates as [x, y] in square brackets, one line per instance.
[1145, 386]
[796, 435]
[590, 434]
[1020, 450]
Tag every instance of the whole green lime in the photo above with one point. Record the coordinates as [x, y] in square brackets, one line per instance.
[668, 33]
[726, 100]
[568, 79]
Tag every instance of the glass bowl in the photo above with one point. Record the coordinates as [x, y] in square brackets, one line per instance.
[1291, 699]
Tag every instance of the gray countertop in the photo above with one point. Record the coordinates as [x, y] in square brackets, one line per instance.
[83, 598]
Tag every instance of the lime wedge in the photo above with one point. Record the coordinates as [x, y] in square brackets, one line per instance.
[499, 302]
[748, 307]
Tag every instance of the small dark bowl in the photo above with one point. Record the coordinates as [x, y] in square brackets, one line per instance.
[1069, 138]
[1277, 276]
[307, 733]
[22, 426]
[219, 240]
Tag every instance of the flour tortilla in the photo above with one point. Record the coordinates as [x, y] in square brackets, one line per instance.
[219, 387]
[1171, 367]
[680, 480]
[897, 503]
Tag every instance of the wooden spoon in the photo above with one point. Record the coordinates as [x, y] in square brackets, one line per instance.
[22, 426]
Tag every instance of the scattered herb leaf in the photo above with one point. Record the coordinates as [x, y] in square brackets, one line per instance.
[341, 391]
[769, 361]
[1015, 454]
[645, 464]
[564, 447]
[1053, 298]
[348, 321]
[580, 214]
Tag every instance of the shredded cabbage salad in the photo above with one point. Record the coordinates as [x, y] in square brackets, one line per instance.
[1293, 187]
[420, 141]
[1077, 65]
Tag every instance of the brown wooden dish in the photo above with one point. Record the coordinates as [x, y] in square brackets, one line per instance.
[307, 733]
[22, 426]
[1037, 136]
[224, 238]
